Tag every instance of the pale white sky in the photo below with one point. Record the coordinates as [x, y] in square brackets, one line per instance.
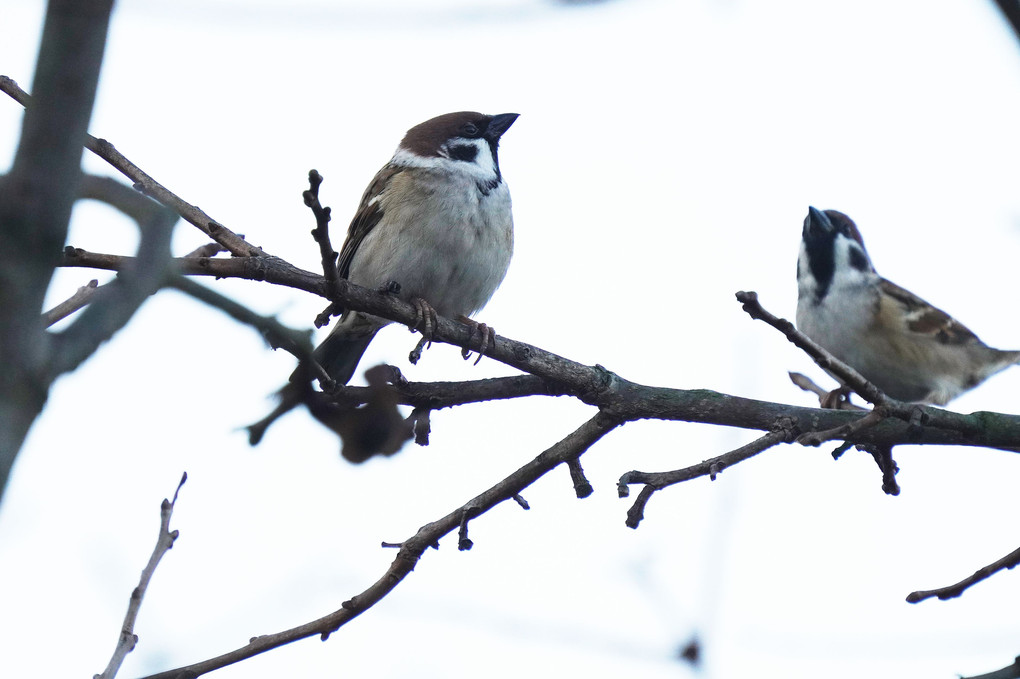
[664, 159]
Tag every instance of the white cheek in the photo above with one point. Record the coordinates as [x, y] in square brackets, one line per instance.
[482, 168]
[845, 274]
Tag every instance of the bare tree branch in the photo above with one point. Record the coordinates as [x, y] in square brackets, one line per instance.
[35, 206]
[783, 432]
[122, 297]
[268, 269]
[164, 543]
[278, 336]
[76, 301]
[823, 358]
[952, 591]
[235, 244]
[599, 387]
[321, 231]
[412, 549]
[1011, 11]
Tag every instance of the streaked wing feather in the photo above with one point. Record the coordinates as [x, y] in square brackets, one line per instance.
[366, 218]
[924, 319]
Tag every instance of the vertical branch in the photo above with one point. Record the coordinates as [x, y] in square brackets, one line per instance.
[164, 542]
[35, 205]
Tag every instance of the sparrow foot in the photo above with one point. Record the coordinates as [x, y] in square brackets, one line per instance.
[481, 333]
[837, 399]
[425, 321]
[425, 318]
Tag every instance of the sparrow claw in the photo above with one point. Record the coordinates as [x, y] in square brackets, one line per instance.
[485, 336]
[425, 319]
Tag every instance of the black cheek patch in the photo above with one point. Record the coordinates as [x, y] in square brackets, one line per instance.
[858, 260]
[466, 152]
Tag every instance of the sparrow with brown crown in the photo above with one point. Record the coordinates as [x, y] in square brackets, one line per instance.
[435, 220]
[906, 347]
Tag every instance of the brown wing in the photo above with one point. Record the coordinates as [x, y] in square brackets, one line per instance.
[365, 219]
[924, 319]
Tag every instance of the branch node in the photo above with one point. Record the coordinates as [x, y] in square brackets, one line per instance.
[637, 511]
[421, 425]
[582, 487]
[415, 354]
[516, 497]
[464, 543]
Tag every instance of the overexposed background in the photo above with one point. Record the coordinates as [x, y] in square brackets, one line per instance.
[664, 159]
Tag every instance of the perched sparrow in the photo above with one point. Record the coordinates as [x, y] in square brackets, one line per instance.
[436, 221]
[905, 346]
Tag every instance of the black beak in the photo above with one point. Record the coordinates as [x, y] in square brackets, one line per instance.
[499, 124]
[817, 223]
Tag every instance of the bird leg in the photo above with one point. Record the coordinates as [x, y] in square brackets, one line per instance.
[425, 321]
[425, 318]
[486, 338]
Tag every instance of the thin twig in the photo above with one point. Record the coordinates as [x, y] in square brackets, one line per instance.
[321, 231]
[411, 550]
[277, 335]
[825, 360]
[207, 250]
[121, 297]
[952, 591]
[164, 542]
[235, 244]
[76, 301]
[783, 432]
[842, 432]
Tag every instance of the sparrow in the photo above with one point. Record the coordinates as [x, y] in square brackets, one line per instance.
[434, 227]
[906, 347]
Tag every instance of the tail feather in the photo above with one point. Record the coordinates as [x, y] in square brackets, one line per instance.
[339, 355]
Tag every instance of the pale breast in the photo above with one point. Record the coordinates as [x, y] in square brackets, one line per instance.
[442, 239]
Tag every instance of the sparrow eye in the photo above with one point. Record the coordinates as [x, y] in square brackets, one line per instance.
[469, 130]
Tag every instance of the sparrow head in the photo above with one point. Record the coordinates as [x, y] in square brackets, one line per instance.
[831, 250]
[461, 142]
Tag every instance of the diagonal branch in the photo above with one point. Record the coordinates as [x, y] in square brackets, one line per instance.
[412, 549]
[823, 358]
[952, 591]
[277, 335]
[235, 244]
[79, 299]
